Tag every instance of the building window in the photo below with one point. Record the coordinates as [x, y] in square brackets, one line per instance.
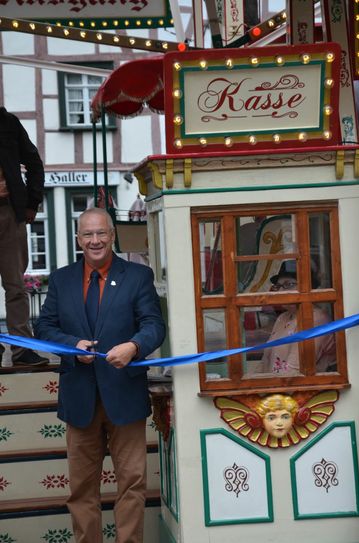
[76, 92]
[38, 241]
[262, 274]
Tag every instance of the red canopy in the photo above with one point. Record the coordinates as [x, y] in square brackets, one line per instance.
[130, 87]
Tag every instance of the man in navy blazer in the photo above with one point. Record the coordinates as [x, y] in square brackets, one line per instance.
[104, 402]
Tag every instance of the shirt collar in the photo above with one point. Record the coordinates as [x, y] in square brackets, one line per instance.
[103, 271]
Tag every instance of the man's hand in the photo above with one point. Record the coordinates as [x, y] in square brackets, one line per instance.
[86, 345]
[121, 355]
[30, 215]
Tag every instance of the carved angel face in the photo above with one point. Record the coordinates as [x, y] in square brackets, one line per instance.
[278, 422]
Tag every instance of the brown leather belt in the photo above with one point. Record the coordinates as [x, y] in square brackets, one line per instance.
[4, 202]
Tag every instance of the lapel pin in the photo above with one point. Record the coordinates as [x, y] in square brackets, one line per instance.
[113, 283]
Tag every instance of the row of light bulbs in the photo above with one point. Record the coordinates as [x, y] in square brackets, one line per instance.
[115, 23]
[253, 140]
[88, 35]
[255, 61]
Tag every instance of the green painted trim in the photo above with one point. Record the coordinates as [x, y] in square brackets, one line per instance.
[166, 535]
[173, 508]
[51, 224]
[163, 469]
[307, 446]
[242, 133]
[251, 448]
[250, 189]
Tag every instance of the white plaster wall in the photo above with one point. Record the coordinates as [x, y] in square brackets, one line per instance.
[51, 114]
[30, 127]
[193, 413]
[87, 139]
[136, 139]
[63, 47]
[19, 88]
[49, 82]
[59, 148]
[16, 43]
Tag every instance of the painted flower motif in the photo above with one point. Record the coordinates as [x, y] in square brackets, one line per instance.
[54, 481]
[108, 477]
[109, 531]
[4, 436]
[51, 387]
[58, 536]
[5, 538]
[280, 365]
[52, 430]
[3, 389]
[3, 483]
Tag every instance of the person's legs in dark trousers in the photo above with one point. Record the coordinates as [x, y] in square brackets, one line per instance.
[127, 446]
[86, 449]
[13, 264]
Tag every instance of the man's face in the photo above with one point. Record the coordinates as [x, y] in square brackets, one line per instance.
[95, 238]
[278, 423]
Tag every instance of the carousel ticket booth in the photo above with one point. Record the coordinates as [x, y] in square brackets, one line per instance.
[252, 217]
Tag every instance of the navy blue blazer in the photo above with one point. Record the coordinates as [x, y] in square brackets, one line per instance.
[129, 310]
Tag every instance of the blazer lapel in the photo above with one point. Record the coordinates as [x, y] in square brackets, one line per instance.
[78, 297]
[112, 287]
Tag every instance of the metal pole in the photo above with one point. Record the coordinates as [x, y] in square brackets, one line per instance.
[94, 145]
[104, 148]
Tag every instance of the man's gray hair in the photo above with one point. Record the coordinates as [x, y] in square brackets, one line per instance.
[96, 211]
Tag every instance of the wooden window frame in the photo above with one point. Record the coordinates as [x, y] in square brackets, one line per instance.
[231, 301]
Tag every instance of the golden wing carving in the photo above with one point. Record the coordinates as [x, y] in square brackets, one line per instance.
[242, 417]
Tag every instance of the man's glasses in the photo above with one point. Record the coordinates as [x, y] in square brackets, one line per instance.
[286, 285]
[101, 234]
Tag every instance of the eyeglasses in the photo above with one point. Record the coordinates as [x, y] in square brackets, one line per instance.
[101, 234]
[286, 285]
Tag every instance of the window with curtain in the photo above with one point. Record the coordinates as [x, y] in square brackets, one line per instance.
[261, 274]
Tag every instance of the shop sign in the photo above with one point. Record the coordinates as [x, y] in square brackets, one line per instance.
[93, 14]
[78, 178]
[258, 98]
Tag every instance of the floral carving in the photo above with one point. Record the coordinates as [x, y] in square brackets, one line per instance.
[52, 387]
[3, 483]
[108, 477]
[55, 481]
[3, 389]
[109, 531]
[5, 434]
[52, 430]
[5, 538]
[58, 536]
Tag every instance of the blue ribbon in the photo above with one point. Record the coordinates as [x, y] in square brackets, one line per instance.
[310, 333]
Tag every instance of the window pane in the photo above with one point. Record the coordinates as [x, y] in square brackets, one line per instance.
[214, 325]
[211, 257]
[75, 94]
[264, 236]
[284, 359]
[325, 346]
[321, 265]
[94, 80]
[74, 79]
[257, 324]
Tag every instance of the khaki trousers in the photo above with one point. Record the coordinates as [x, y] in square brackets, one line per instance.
[86, 449]
[13, 263]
